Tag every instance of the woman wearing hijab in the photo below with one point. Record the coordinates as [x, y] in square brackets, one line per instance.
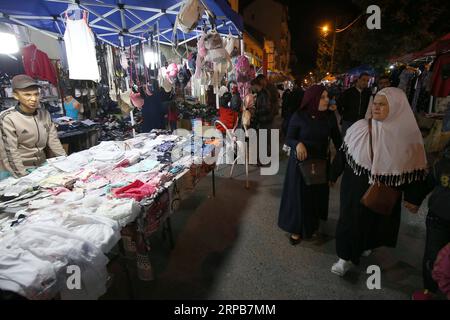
[399, 161]
[309, 131]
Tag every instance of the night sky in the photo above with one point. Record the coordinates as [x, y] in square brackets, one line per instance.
[306, 16]
[305, 19]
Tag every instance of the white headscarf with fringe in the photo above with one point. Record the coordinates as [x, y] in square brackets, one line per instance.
[398, 150]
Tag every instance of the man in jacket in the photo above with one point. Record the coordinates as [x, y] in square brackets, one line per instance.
[291, 104]
[353, 103]
[271, 89]
[263, 112]
[263, 108]
[26, 131]
[383, 82]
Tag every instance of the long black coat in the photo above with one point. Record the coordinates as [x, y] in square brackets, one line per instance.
[302, 206]
[359, 228]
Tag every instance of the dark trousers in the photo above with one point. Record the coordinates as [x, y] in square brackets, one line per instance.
[438, 236]
[268, 127]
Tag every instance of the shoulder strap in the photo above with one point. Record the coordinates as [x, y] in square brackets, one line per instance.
[370, 140]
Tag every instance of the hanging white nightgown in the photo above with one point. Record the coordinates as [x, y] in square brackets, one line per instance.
[80, 48]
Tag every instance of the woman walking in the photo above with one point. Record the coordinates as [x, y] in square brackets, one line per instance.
[396, 157]
[308, 135]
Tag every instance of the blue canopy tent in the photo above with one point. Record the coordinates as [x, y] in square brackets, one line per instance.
[121, 22]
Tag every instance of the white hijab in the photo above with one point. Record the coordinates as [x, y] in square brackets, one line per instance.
[398, 150]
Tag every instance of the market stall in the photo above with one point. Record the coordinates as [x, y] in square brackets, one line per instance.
[85, 203]
[75, 210]
[424, 77]
[129, 50]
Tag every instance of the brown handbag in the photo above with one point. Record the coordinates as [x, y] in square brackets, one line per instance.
[379, 198]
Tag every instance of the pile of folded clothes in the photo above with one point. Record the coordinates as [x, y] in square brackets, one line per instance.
[70, 210]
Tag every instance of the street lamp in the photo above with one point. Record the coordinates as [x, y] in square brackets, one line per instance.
[336, 30]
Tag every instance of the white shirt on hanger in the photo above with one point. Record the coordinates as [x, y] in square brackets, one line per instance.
[80, 49]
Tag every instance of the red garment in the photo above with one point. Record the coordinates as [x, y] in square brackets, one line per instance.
[441, 270]
[172, 116]
[37, 64]
[138, 190]
[441, 86]
[123, 164]
[228, 117]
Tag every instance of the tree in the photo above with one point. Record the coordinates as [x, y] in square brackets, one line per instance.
[323, 62]
[406, 26]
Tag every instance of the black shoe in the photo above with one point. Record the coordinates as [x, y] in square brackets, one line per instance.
[293, 241]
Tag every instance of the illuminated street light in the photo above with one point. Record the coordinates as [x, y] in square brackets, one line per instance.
[325, 29]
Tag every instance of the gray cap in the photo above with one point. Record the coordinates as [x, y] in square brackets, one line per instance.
[23, 81]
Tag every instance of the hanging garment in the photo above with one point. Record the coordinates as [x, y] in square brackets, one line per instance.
[164, 80]
[441, 80]
[80, 48]
[228, 117]
[405, 80]
[38, 65]
[110, 69]
[63, 55]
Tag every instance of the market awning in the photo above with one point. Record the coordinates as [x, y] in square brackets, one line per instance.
[429, 51]
[113, 20]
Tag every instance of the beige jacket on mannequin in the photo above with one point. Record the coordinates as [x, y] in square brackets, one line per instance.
[25, 140]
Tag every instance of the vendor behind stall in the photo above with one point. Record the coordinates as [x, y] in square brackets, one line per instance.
[154, 109]
[26, 131]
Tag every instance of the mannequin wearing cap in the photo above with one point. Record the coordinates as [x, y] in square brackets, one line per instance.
[27, 132]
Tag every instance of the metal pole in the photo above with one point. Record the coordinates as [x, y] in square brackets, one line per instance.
[132, 123]
[158, 46]
[334, 45]
[128, 88]
[213, 183]
[34, 28]
[242, 44]
[122, 16]
[217, 98]
[430, 106]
